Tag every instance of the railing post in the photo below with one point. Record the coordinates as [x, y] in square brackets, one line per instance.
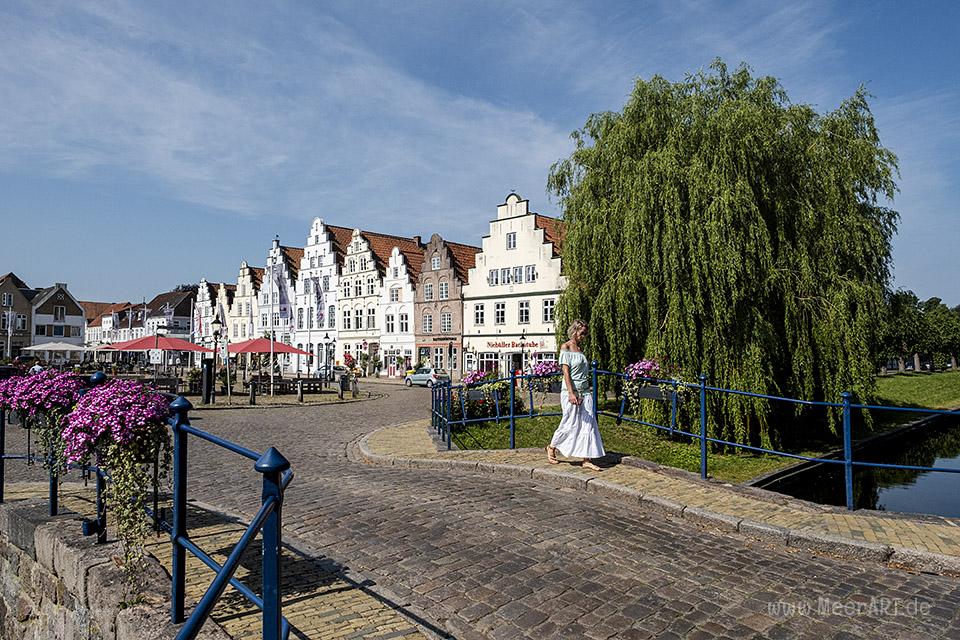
[513, 421]
[101, 509]
[593, 382]
[3, 447]
[673, 409]
[272, 464]
[449, 409]
[847, 452]
[178, 571]
[703, 426]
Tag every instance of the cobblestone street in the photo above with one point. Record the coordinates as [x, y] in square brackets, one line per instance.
[480, 556]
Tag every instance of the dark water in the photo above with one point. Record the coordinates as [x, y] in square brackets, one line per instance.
[935, 493]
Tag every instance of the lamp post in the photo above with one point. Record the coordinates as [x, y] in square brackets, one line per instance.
[523, 338]
[333, 350]
[450, 357]
[216, 325]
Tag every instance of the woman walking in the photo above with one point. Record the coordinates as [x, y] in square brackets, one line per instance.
[578, 435]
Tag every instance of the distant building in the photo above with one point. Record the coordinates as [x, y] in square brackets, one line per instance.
[57, 317]
[510, 298]
[16, 315]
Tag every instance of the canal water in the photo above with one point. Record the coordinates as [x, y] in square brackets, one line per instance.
[934, 493]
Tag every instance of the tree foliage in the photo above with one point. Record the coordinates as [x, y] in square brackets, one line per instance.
[718, 226]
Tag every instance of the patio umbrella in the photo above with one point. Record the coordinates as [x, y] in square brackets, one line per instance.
[262, 345]
[55, 346]
[163, 343]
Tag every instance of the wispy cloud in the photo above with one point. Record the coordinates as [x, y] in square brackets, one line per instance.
[320, 126]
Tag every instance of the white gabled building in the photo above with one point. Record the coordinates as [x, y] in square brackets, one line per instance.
[244, 316]
[398, 340]
[316, 296]
[361, 289]
[277, 297]
[511, 293]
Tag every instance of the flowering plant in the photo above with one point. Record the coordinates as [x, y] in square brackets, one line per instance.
[482, 397]
[546, 372]
[121, 425]
[642, 375]
[43, 400]
[349, 361]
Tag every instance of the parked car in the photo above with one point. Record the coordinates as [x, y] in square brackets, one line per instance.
[426, 376]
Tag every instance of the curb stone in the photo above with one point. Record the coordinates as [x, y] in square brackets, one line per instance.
[849, 548]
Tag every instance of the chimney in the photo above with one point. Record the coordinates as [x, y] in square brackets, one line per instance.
[417, 240]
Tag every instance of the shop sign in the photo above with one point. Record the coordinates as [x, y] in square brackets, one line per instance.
[516, 344]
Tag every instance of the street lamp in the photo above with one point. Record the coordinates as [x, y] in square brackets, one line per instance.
[450, 356]
[523, 338]
[216, 325]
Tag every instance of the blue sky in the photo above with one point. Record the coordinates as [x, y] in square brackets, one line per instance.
[147, 144]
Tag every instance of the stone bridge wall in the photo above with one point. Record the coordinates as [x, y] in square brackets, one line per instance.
[56, 583]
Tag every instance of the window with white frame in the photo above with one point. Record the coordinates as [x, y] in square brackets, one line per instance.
[276, 319]
[396, 272]
[358, 318]
[388, 323]
[264, 321]
[444, 290]
[512, 240]
[331, 317]
[370, 287]
[438, 357]
[518, 275]
[363, 264]
[21, 322]
[493, 277]
[300, 318]
[347, 322]
[435, 263]
[548, 305]
[531, 273]
[59, 314]
[306, 286]
[357, 289]
[428, 291]
[394, 294]
[310, 318]
[7, 300]
[500, 313]
[427, 323]
[313, 262]
[326, 283]
[351, 265]
[404, 323]
[478, 318]
[524, 312]
[454, 358]
[505, 275]
[371, 318]
[446, 322]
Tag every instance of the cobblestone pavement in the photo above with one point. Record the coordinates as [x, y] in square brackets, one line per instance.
[476, 555]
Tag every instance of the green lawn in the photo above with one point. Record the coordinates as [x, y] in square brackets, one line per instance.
[929, 390]
[635, 440]
[936, 391]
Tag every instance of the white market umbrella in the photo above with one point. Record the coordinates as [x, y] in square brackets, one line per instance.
[55, 346]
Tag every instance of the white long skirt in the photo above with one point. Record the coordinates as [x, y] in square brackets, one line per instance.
[578, 435]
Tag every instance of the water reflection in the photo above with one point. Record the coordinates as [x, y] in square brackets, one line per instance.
[934, 493]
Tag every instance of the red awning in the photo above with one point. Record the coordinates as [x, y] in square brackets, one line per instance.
[157, 342]
[262, 345]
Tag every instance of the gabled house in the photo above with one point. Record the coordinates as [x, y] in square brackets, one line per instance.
[16, 315]
[57, 317]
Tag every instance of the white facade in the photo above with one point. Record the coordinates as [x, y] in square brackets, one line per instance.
[360, 290]
[63, 319]
[315, 318]
[398, 340]
[277, 298]
[245, 311]
[512, 291]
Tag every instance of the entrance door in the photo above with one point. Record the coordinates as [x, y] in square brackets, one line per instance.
[516, 362]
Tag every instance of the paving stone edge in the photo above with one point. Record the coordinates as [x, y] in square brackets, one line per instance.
[847, 548]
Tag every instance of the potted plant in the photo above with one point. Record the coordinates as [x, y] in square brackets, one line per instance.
[121, 426]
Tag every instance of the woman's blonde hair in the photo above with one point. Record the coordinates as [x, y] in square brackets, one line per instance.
[575, 326]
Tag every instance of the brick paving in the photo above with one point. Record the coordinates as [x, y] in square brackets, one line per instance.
[935, 534]
[477, 555]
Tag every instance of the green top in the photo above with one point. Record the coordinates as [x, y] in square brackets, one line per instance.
[579, 370]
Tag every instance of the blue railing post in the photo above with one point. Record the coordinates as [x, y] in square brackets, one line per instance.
[272, 464]
[101, 509]
[593, 383]
[54, 480]
[703, 426]
[178, 571]
[513, 421]
[673, 409]
[449, 409]
[847, 452]
[3, 447]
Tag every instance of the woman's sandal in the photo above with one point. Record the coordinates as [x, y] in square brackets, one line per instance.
[586, 464]
[552, 455]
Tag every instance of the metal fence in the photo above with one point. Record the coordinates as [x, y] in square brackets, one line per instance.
[276, 476]
[446, 396]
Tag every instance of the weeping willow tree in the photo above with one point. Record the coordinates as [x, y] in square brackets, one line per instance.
[717, 226]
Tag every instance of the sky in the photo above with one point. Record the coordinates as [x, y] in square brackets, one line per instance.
[144, 145]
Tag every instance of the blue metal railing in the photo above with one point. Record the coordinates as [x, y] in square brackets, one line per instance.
[277, 475]
[442, 399]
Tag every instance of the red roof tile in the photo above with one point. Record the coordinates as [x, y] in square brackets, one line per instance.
[381, 245]
[554, 232]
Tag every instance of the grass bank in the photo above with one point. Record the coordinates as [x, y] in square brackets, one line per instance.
[927, 390]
